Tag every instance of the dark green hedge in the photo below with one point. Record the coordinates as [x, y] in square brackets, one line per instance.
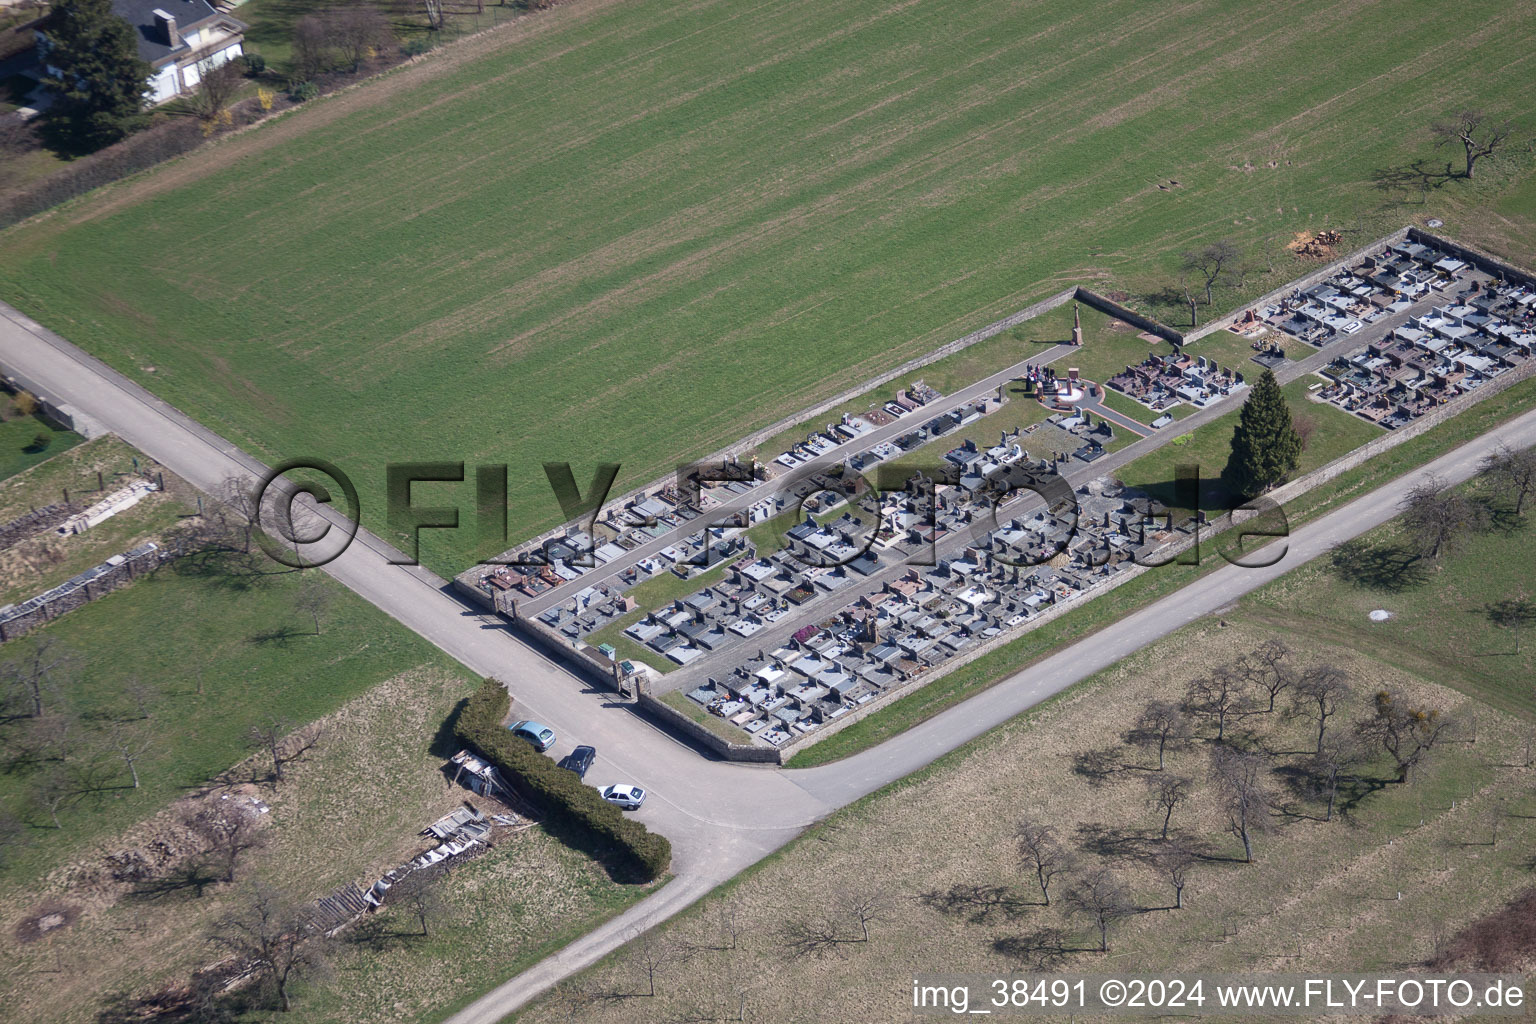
[571, 805]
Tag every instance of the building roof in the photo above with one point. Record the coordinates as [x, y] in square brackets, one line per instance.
[154, 46]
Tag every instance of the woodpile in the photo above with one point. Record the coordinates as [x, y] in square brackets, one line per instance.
[1320, 246]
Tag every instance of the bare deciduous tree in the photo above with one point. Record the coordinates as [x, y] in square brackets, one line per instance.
[230, 830]
[313, 49]
[235, 509]
[1336, 757]
[1041, 854]
[216, 92]
[282, 744]
[827, 932]
[1219, 696]
[651, 954]
[1405, 732]
[131, 744]
[33, 675]
[1267, 668]
[54, 789]
[1160, 725]
[140, 696]
[1513, 471]
[1477, 135]
[1512, 613]
[1240, 775]
[358, 32]
[1438, 518]
[1190, 300]
[269, 932]
[420, 894]
[1320, 693]
[1165, 793]
[1211, 261]
[730, 922]
[1175, 863]
[313, 597]
[1103, 900]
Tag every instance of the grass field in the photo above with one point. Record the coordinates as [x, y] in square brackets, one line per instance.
[22, 443]
[188, 658]
[1445, 620]
[1403, 863]
[635, 231]
[346, 814]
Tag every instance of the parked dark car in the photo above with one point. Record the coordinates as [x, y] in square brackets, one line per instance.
[579, 760]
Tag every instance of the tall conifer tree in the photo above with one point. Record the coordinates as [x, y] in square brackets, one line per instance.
[1265, 446]
[101, 80]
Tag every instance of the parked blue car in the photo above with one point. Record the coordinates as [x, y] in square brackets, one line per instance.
[537, 733]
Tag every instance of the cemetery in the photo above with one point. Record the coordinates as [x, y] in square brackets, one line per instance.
[1162, 382]
[1487, 331]
[863, 592]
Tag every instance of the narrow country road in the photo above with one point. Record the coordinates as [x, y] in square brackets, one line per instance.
[720, 817]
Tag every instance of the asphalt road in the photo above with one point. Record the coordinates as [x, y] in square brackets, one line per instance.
[720, 817]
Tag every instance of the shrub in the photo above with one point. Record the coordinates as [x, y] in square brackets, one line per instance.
[558, 792]
[171, 138]
[299, 92]
[25, 403]
[40, 442]
[254, 63]
[415, 47]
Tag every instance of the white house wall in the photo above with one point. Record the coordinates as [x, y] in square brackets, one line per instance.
[162, 86]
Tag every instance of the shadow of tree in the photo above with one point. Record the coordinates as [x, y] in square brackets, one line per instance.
[279, 636]
[191, 879]
[978, 903]
[1167, 298]
[1500, 516]
[1118, 842]
[1416, 176]
[445, 742]
[1042, 949]
[232, 570]
[1513, 615]
[1099, 766]
[1390, 568]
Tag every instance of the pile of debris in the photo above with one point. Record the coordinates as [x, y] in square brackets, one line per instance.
[1320, 246]
[465, 833]
[331, 913]
[481, 777]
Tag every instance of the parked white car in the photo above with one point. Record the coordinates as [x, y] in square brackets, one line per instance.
[624, 796]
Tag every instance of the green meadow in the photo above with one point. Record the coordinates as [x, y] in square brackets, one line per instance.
[635, 232]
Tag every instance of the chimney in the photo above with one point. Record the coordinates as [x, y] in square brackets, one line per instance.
[167, 24]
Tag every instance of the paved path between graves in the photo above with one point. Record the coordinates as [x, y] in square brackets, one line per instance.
[721, 817]
[1096, 405]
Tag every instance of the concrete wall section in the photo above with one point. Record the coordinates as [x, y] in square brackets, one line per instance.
[1104, 304]
[670, 718]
